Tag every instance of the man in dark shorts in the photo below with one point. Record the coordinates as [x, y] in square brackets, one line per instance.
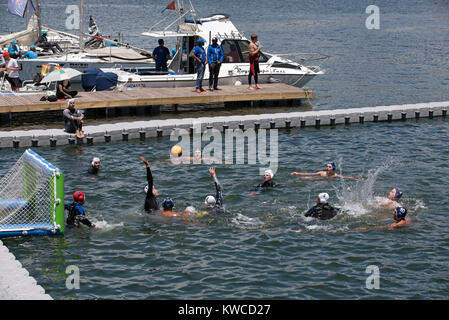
[254, 48]
[214, 59]
[12, 69]
[161, 54]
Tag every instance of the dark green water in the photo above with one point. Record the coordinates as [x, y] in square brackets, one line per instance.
[251, 254]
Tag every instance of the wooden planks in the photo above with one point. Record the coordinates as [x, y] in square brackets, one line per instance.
[154, 96]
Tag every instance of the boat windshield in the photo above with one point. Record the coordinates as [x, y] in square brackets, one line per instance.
[237, 51]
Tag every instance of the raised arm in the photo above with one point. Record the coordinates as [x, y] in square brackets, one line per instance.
[304, 174]
[218, 188]
[149, 174]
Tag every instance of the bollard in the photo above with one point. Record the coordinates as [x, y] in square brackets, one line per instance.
[241, 126]
[302, 123]
[142, 135]
[417, 114]
[159, 133]
[376, 118]
[256, 125]
[361, 119]
[71, 140]
[209, 126]
[317, 123]
[390, 117]
[125, 136]
[333, 121]
[53, 142]
[107, 137]
[15, 143]
[347, 120]
[404, 116]
[90, 140]
[34, 142]
[430, 114]
[288, 124]
[444, 112]
[272, 124]
[225, 127]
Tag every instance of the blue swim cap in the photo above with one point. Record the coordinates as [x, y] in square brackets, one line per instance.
[44, 32]
[14, 41]
[333, 165]
[33, 46]
[201, 40]
[168, 203]
[401, 212]
[398, 193]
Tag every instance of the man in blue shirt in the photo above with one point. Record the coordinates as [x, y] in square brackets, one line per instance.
[199, 54]
[161, 54]
[13, 49]
[32, 54]
[215, 58]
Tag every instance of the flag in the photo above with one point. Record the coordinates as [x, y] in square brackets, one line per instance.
[18, 7]
[171, 6]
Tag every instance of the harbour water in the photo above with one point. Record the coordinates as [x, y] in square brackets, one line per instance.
[252, 253]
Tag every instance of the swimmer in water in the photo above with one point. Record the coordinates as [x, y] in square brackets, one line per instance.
[267, 182]
[198, 158]
[329, 173]
[151, 203]
[215, 204]
[322, 210]
[400, 220]
[77, 213]
[95, 167]
[392, 201]
[168, 204]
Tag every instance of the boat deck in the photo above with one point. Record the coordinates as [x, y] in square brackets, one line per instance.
[155, 96]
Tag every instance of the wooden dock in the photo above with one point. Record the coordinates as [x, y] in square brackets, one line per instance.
[155, 96]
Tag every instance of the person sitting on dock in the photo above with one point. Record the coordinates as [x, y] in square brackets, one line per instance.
[43, 42]
[322, 210]
[254, 70]
[73, 119]
[199, 54]
[329, 173]
[31, 54]
[151, 203]
[161, 54]
[214, 58]
[392, 200]
[64, 90]
[215, 204]
[95, 166]
[77, 213]
[400, 220]
[14, 50]
[12, 68]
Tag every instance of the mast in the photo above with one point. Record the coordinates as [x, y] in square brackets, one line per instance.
[39, 20]
[81, 42]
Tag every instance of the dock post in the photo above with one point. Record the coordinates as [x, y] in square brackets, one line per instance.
[376, 118]
[417, 114]
[347, 120]
[332, 121]
[390, 117]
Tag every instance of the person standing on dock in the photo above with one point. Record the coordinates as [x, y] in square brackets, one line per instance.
[215, 58]
[14, 50]
[199, 54]
[161, 54]
[254, 49]
[12, 68]
[73, 119]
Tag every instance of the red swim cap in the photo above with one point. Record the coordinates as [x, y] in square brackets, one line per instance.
[78, 196]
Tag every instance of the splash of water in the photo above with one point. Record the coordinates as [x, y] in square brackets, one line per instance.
[106, 226]
[355, 200]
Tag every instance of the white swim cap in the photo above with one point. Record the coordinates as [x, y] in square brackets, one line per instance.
[191, 209]
[69, 101]
[95, 159]
[210, 201]
[270, 173]
[324, 197]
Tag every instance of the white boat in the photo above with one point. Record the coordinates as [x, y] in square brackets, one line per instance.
[235, 66]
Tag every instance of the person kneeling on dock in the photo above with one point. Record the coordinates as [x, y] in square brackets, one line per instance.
[77, 214]
[322, 210]
[73, 119]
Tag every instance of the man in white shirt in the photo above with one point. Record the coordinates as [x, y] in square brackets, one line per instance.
[11, 66]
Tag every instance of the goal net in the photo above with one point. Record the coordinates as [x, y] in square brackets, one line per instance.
[32, 198]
